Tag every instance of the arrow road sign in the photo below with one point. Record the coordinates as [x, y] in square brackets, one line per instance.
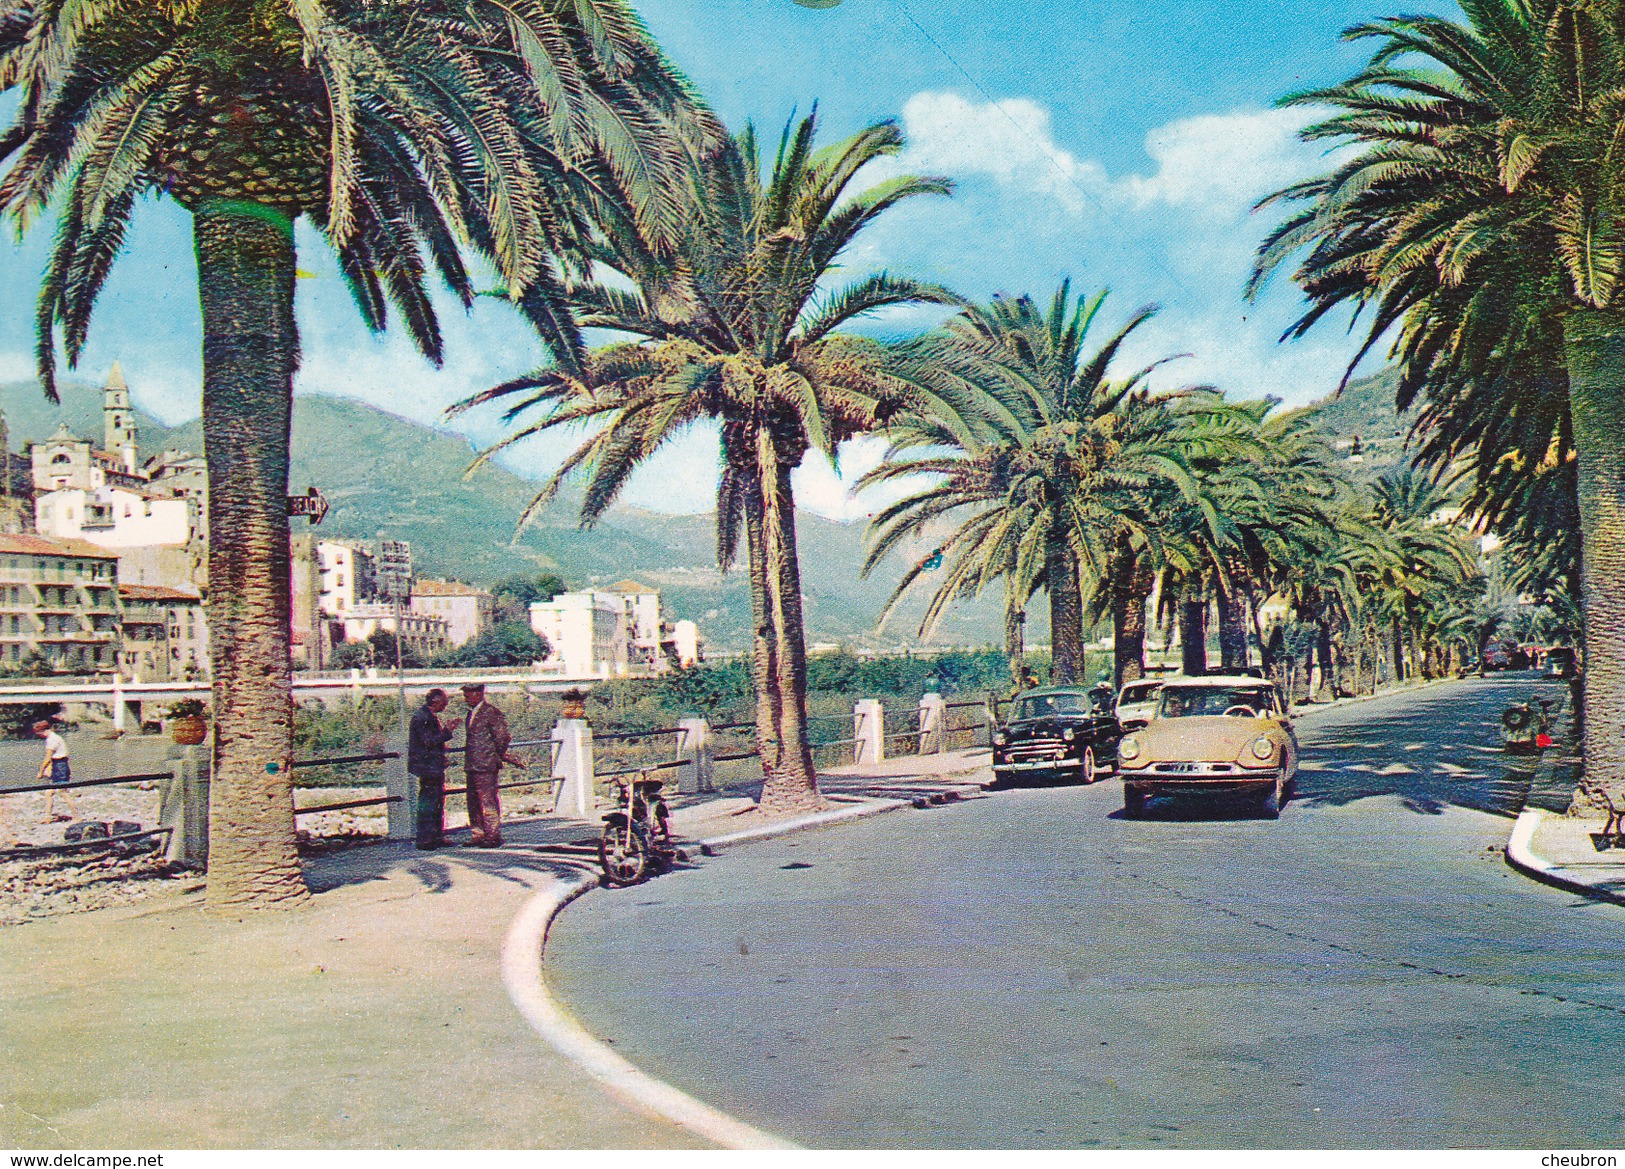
[312, 504]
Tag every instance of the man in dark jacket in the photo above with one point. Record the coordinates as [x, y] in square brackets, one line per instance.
[485, 750]
[426, 759]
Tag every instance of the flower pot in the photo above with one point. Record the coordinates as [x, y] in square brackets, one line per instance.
[189, 730]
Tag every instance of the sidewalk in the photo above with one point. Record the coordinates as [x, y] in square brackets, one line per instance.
[1568, 853]
[373, 1018]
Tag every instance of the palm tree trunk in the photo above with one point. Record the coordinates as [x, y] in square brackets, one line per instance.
[1130, 588]
[1065, 614]
[1323, 651]
[1015, 646]
[246, 263]
[1594, 348]
[764, 642]
[1193, 636]
[1398, 644]
[1232, 629]
[792, 782]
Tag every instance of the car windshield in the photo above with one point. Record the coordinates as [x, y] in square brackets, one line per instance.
[1192, 701]
[1043, 705]
[1142, 693]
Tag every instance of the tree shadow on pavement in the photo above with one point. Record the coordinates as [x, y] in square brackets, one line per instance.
[1442, 751]
[532, 851]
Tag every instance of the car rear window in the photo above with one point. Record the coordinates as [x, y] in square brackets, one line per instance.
[1041, 705]
[1196, 701]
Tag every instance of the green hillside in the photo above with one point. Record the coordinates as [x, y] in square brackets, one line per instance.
[388, 477]
[1365, 410]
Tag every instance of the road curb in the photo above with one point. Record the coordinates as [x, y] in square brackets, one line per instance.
[522, 951]
[801, 823]
[1521, 855]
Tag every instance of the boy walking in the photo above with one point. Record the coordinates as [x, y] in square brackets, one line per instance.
[54, 765]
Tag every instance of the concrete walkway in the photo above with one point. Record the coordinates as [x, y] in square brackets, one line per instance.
[375, 1017]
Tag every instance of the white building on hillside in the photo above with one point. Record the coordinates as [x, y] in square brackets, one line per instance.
[112, 517]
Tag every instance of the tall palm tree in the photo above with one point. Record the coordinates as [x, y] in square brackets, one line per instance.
[744, 330]
[1481, 210]
[1047, 464]
[401, 129]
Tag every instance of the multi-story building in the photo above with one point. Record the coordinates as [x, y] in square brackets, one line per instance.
[611, 632]
[347, 576]
[163, 637]
[425, 634]
[467, 611]
[58, 602]
[113, 517]
[586, 634]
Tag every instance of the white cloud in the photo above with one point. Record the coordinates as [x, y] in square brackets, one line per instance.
[1222, 162]
[1012, 141]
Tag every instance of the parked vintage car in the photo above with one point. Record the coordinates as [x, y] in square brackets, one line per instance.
[1057, 732]
[1221, 734]
[1137, 703]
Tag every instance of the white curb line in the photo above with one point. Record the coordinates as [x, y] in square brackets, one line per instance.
[522, 976]
[1522, 856]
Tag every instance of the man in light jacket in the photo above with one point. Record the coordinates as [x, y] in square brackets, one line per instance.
[486, 738]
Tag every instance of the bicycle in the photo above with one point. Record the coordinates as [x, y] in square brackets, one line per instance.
[637, 835]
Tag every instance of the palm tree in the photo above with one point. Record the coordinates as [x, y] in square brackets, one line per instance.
[741, 329]
[1480, 211]
[1049, 466]
[400, 130]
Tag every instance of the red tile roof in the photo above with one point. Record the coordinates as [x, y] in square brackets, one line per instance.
[154, 593]
[28, 544]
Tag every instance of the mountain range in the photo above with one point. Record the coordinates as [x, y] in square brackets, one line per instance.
[411, 485]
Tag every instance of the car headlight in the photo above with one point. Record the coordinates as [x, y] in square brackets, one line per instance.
[998, 739]
[1263, 747]
[1067, 734]
[1129, 748]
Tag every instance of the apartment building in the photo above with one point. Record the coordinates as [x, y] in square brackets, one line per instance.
[466, 610]
[347, 576]
[58, 602]
[163, 637]
[425, 634]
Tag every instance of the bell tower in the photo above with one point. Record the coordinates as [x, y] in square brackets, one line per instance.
[118, 423]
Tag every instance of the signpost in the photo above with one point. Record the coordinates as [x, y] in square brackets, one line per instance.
[395, 582]
[312, 504]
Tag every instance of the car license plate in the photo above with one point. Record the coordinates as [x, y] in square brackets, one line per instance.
[1180, 768]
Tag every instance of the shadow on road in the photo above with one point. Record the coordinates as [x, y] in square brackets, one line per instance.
[1441, 749]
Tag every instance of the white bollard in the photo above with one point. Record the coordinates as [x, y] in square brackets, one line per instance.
[118, 702]
[933, 724]
[869, 729]
[572, 763]
[183, 808]
[694, 748]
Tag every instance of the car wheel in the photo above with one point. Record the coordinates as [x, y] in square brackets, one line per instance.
[1270, 806]
[1133, 801]
[1089, 772]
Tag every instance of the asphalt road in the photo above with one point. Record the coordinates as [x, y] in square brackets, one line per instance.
[1030, 969]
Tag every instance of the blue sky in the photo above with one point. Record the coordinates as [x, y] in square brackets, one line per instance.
[1120, 144]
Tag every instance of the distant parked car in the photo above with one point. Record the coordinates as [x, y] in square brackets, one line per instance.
[1560, 662]
[1136, 703]
[1496, 657]
[1217, 735]
[1057, 732]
